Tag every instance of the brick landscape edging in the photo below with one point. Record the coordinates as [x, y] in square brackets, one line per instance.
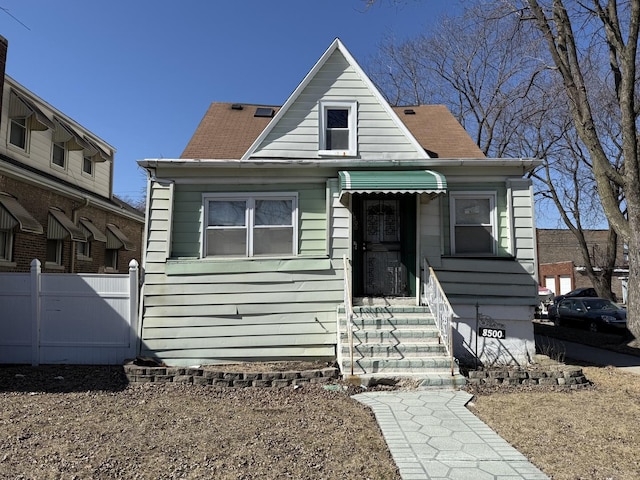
[227, 378]
[560, 375]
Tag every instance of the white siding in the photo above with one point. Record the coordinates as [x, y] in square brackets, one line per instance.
[296, 135]
[38, 154]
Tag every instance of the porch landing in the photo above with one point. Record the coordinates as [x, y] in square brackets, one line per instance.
[394, 339]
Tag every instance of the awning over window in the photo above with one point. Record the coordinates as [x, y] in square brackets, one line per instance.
[66, 133]
[60, 227]
[12, 214]
[90, 230]
[116, 239]
[392, 181]
[21, 106]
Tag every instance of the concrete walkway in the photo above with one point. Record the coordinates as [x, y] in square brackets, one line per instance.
[432, 435]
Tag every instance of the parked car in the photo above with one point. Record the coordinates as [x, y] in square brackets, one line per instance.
[578, 292]
[593, 313]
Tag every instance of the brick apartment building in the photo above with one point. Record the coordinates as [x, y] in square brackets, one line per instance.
[561, 266]
[56, 184]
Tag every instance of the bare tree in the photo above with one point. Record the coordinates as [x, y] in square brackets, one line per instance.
[571, 34]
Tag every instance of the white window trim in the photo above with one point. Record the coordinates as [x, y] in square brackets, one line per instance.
[492, 196]
[250, 198]
[27, 135]
[93, 167]
[352, 106]
[65, 156]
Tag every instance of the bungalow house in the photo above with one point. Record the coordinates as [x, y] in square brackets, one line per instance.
[277, 219]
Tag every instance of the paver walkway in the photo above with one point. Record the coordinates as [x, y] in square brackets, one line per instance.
[432, 435]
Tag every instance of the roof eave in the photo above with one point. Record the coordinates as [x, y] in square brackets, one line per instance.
[527, 163]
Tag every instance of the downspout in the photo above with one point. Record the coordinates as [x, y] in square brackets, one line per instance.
[74, 219]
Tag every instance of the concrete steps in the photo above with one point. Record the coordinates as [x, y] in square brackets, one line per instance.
[391, 342]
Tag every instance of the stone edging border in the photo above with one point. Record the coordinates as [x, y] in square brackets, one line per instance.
[227, 378]
[560, 375]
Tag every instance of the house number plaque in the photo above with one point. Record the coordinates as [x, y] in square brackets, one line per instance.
[489, 328]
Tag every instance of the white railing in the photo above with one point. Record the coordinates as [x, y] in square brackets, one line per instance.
[348, 315]
[434, 296]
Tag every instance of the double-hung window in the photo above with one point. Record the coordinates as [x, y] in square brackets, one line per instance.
[473, 223]
[59, 154]
[338, 123]
[250, 225]
[18, 132]
[87, 165]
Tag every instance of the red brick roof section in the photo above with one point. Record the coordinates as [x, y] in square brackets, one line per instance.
[227, 133]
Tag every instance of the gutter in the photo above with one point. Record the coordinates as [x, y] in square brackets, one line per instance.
[527, 163]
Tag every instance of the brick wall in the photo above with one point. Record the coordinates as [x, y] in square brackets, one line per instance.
[29, 246]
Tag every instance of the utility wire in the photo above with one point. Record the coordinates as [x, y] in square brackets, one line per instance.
[6, 10]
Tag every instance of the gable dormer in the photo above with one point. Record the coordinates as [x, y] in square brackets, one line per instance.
[336, 112]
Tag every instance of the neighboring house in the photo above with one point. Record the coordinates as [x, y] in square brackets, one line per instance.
[561, 266]
[248, 230]
[56, 201]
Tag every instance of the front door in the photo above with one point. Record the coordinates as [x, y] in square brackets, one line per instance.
[383, 273]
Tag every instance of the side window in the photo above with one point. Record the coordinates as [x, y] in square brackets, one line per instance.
[473, 223]
[338, 123]
[59, 154]
[6, 245]
[18, 132]
[54, 251]
[250, 226]
[87, 165]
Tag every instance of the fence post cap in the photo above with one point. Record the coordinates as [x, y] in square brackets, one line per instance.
[35, 263]
[133, 264]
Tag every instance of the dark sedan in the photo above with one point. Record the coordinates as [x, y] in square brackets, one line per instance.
[595, 314]
[578, 292]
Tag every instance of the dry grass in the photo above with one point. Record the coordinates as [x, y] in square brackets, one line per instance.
[86, 423]
[588, 434]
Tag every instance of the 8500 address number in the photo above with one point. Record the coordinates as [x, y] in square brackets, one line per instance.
[493, 333]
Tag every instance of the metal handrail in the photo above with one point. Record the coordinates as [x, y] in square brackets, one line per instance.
[434, 296]
[348, 310]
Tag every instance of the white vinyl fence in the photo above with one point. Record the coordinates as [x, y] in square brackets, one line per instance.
[65, 318]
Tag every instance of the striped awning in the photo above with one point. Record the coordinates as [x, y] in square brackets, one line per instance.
[60, 227]
[391, 181]
[21, 106]
[12, 214]
[91, 231]
[117, 239]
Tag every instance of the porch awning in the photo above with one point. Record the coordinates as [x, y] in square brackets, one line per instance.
[13, 213]
[391, 181]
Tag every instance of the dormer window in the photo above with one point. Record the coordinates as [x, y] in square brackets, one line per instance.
[338, 128]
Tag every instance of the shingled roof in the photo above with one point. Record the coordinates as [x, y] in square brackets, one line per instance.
[227, 131]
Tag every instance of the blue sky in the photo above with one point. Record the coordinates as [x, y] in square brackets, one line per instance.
[140, 74]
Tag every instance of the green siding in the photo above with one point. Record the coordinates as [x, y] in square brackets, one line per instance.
[502, 213]
[227, 310]
[188, 212]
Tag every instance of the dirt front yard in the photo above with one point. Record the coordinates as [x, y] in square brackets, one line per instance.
[86, 423]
